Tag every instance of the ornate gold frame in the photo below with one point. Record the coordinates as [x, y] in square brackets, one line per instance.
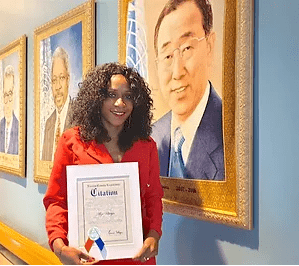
[15, 164]
[230, 201]
[84, 13]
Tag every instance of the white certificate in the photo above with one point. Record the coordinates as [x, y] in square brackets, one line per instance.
[104, 204]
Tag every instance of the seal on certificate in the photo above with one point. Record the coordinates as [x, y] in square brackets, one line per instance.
[94, 233]
[94, 236]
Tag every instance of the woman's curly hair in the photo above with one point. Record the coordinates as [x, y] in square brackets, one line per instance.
[86, 108]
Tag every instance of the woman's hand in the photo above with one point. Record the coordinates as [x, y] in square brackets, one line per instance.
[69, 255]
[149, 248]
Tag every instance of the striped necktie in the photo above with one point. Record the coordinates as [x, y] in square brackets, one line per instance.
[177, 167]
[57, 134]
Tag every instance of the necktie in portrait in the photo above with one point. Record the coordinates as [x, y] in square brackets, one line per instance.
[57, 134]
[177, 166]
[6, 139]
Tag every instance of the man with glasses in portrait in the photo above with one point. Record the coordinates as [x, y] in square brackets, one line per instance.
[189, 137]
[58, 121]
[9, 124]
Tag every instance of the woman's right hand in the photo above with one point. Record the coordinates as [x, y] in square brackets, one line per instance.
[69, 255]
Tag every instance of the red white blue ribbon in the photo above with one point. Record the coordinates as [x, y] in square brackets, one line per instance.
[94, 237]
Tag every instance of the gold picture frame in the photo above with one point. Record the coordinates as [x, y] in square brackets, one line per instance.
[73, 31]
[13, 63]
[230, 201]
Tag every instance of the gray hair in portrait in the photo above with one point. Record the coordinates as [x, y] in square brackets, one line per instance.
[9, 71]
[62, 54]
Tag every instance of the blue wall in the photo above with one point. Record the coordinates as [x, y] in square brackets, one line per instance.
[274, 239]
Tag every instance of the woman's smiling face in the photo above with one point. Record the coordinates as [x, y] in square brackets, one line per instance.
[118, 105]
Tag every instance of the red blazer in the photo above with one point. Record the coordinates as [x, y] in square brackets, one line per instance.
[72, 150]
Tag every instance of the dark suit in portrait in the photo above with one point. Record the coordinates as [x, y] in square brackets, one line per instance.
[206, 158]
[49, 136]
[13, 147]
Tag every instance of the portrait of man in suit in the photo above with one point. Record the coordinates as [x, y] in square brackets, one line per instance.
[9, 124]
[58, 121]
[189, 137]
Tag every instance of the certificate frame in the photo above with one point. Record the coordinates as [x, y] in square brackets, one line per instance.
[230, 201]
[74, 32]
[14, 56]
[117, 185]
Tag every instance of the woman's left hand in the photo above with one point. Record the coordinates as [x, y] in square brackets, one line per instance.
[149, 248]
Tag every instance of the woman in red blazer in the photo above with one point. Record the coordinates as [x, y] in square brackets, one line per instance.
[112, 123]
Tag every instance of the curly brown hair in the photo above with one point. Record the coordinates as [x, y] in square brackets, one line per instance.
[86, 108]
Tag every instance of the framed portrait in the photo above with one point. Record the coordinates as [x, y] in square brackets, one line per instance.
[64, 50]
[13, 107]
[197, 57]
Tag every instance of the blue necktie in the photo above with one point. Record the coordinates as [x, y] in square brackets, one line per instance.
[177, 167]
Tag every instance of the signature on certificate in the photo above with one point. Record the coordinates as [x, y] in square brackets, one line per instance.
[117, 232]
[108, 213]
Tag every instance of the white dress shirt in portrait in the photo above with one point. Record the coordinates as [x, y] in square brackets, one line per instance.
[190, 126]
[7, 134]
[61, 117]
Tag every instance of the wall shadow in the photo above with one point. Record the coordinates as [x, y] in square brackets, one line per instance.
[15, 179]
[197, 241]
[42, 188]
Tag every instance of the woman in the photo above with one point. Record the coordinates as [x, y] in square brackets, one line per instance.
[112, 123]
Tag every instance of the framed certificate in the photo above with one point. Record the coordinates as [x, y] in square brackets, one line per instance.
[104, 210]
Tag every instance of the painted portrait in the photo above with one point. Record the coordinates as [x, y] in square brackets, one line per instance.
[187, 52]
[60, 74]
[64, 50]
[9, 123]
[12, 107]
[183, 68]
